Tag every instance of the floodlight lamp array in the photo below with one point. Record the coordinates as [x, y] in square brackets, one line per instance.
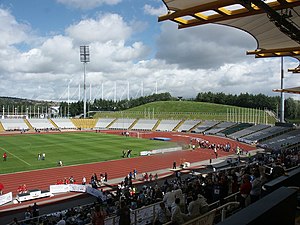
[84, 54]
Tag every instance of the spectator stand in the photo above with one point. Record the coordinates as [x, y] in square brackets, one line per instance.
[234, 129]
[144, 124]
[14, 124]
[248, 131]
[219, 127]
[188, 125]
[84, 124]
[41, 124]
[167, 125]
[122, 124]
[64, 124]
[286, 140]
[104, 123]
[262, 135]
[204, 126]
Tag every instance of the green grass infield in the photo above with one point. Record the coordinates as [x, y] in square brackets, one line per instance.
[72, 148]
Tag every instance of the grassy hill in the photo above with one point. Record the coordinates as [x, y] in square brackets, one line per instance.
[191, 110]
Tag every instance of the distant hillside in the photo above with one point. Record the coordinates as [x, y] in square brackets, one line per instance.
[191, 110]
[20, 106]
[20, 101]
[183, 106]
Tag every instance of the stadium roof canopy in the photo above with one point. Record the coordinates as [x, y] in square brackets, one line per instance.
[274, 24]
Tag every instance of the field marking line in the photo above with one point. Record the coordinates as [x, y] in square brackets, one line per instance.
[16, 157]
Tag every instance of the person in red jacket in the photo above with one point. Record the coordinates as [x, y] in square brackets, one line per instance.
[4, 156]
[245, 189]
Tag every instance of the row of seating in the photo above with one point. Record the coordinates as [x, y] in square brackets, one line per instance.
[273, 136]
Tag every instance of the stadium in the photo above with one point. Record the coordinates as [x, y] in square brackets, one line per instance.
[98, 146]
[238, 168]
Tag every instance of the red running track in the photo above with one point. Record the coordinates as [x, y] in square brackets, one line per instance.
[42, 179]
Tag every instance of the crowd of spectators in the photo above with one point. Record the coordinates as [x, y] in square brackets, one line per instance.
[183, 198]
[70, 180]
[200, 143]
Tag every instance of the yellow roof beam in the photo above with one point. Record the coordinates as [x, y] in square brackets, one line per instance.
[271, 4]
[233, 12]
[209, 17]
[196, 9]
[259, 53]
[222, 10]
[180, 20]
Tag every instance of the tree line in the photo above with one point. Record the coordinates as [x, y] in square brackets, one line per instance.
[259, 101]
[76, 108]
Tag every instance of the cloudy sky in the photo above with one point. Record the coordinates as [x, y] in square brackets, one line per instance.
[131, 53]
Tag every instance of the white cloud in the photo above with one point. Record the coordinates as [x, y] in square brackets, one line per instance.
[208, 58]
[109, 27]
[148, 9]
[88, 4]
[11, 32]
[208, 46]
[51, 65]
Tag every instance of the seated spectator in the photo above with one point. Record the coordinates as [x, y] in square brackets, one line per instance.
[83, 180]
[59, 181]
[124, 213]
[194, 207]
[163, 215]
[98, 216]
[61, 220]
[204, 208]
[35, 210]
[71, 180]
[256, 187]
[177, 217]
[28, 213]
[22, 189]
[1, 188]
[245, 190]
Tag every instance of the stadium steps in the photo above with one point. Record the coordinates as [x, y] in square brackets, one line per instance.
[212, 126]
[28, 124]
[84, 123]
[111, 123]
[254, 132]
[178, 125]
[226, 128]
[1, 127]
[54, 124]
[156, 125]
[194, 127]
[236, 128]
[132, 125]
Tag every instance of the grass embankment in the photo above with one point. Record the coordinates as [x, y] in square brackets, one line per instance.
[191, 110]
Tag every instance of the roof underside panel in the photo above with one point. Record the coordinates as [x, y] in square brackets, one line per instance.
[272, 39]
[180, 5]
[265, 32]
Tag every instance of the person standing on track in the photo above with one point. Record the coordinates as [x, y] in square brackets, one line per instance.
[174, 165]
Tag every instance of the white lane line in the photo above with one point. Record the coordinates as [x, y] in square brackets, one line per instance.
[16, 157]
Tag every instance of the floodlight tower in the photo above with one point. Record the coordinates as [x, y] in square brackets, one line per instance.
[84, 58]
